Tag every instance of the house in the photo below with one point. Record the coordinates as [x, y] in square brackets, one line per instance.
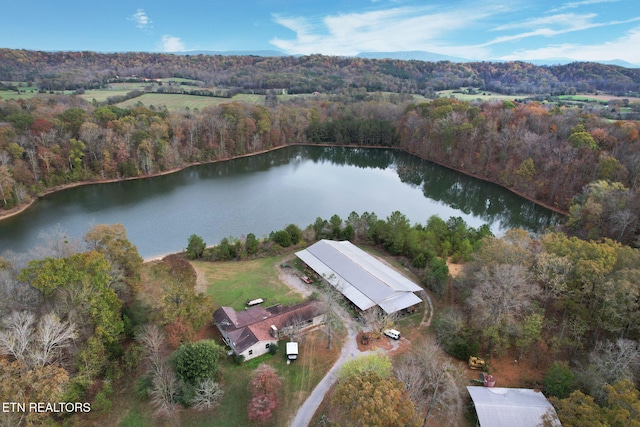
[251, 332]
[507, 407]
[360, 277]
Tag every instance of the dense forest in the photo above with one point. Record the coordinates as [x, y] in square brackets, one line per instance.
[566, 158]
[74, 313]
[305, 74]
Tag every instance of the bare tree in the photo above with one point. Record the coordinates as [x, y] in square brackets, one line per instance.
[163, 393]
[610, 362]
[164, 385]
[36, 346]
[330, 298]
[17, 335]
[502, 292]
[52, 336]
[433, 383]
[377, 319]
[153, 342]
[208, 395]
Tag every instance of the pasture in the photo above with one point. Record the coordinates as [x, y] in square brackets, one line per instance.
[174, 102]
[482, 95]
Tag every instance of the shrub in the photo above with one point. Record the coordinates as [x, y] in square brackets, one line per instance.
[195, 247]
[282, 238]
[194, 362]
[559, 381]
[273, 349]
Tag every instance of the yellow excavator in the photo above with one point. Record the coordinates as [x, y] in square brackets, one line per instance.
[476, 363]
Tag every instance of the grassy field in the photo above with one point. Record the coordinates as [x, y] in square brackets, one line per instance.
[481, 95]
[233, 283]
[175, 102]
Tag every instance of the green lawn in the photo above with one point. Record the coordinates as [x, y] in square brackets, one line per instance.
[481, 95]
[233, 283]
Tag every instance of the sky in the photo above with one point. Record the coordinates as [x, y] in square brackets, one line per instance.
[584, 30]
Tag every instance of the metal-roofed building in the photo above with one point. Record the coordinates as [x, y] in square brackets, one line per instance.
[507, 407]
[360, 277]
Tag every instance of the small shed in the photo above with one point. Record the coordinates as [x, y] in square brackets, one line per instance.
[508, 407]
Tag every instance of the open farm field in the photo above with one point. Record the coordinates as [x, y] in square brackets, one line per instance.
[177, 80]
[173, 102]
[481, 95]
[10, 94]
[597, 98]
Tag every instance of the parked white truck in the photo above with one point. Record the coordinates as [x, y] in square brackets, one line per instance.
[292, 350]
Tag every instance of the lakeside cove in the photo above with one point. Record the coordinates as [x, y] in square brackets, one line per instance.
[449, 192]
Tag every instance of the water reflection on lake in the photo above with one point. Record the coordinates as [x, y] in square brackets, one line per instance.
[266, 192]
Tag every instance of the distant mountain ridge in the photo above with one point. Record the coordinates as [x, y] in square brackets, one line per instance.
[422, 55]
[408, 55]
[233, 52]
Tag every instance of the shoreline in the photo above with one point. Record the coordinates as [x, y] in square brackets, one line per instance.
[21, 208]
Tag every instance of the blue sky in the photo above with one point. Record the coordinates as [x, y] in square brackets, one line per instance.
[596, 30]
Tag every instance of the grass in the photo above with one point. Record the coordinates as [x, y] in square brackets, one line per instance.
[481, 95]
[175, 102]
[233, 283]
[298, 380]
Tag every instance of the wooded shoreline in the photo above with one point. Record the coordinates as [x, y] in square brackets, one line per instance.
[21, 208]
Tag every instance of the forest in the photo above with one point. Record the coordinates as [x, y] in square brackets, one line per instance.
[567, 299]
[306, 74]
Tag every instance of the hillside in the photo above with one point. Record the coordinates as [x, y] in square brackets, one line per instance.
[72, 70]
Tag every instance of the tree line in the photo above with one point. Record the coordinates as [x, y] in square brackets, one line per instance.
[305, 74]
[552, 155]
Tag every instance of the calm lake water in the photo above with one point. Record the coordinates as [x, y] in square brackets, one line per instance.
[265, 193]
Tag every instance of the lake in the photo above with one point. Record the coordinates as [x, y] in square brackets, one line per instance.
[265, 193]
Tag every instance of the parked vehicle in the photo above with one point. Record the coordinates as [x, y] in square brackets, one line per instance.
[256, 301]
[476, 363]
[292, 350]
[392, 333]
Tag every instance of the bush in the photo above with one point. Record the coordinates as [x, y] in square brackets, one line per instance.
[194, 362]
[559, 381]
[273, 349]
[454, 336]
[195, 247]
[143, 386]
[282, 238]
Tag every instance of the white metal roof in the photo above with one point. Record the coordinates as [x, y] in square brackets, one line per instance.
[360, 277]
[507, 407]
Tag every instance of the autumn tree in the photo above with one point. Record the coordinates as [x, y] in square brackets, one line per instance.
[21, 383]
[126, 263]
[371, 400]
[265, 388]
[79, 286]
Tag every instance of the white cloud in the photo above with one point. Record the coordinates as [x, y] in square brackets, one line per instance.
[142, 20]
[577, 4]
[172, 44]
[395, 29]
[621, 48]
[553, 26]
